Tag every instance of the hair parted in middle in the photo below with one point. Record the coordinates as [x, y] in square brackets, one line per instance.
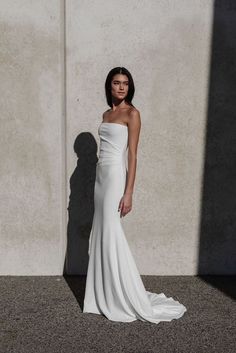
[111, 74]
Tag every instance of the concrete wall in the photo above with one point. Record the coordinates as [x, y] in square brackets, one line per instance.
[32, 144]
[167, 47]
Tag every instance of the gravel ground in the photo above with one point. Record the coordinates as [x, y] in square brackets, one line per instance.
[43, 314]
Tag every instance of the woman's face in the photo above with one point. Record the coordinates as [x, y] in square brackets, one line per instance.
[119, 86]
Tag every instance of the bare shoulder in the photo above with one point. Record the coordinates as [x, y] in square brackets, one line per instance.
[134, 117]
[105, 113]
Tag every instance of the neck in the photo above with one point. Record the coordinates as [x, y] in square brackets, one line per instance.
[118, 104]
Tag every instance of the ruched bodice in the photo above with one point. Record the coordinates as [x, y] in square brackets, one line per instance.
[113, 143]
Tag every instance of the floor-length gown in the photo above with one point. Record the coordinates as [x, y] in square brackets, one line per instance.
[114, 287]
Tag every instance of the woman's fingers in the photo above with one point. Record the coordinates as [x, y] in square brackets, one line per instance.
[120, 204]
[125, 210]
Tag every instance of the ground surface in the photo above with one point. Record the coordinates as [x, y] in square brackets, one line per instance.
[43, 314]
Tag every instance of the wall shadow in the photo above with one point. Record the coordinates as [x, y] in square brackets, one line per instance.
[81, 205]
[217, 243]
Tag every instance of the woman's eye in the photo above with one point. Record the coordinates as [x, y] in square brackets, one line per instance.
[117, 83]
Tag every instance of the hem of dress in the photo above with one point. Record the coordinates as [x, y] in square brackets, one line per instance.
[114, 320]
[143, 319]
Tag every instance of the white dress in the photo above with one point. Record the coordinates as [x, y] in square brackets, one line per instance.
[114, 287]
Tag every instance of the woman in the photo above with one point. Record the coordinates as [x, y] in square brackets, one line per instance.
[114, 287]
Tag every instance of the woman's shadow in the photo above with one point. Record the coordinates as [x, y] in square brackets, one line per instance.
[80, 214]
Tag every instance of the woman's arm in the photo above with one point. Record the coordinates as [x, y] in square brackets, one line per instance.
[134, 127]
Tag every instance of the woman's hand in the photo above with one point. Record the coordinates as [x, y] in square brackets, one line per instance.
[125, 204]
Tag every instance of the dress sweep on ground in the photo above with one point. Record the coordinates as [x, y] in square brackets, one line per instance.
[114, 287]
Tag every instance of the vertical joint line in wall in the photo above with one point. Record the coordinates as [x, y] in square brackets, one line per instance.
[63, 132]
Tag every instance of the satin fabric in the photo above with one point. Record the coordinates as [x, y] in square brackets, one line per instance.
[114, 287]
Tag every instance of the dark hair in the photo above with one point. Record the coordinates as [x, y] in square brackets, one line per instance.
[111, 74]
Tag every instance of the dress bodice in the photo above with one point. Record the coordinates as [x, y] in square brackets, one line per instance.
[113, 143]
